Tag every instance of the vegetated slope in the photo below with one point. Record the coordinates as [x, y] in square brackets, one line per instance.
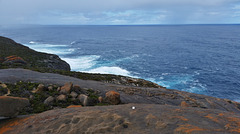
[33, 58]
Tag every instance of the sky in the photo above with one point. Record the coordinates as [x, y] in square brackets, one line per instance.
[119, 12]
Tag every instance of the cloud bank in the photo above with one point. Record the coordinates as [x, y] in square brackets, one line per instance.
[113, 12]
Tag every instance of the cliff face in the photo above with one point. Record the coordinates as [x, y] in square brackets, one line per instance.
[32, 58]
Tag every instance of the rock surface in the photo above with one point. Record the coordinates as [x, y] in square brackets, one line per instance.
[128, 94]
[144, 119]
[11, 106]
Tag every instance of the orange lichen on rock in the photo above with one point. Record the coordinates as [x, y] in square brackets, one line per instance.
[188, 128]
[220, 114]
[17, 122]
[113, 97]
[184, 104]
[181, 118]
[233, 125]
[74, 106]
[215, 119]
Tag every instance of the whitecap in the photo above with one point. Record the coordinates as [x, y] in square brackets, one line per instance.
[49, 48]
[31, 42]
[110, 70]
[82, 63]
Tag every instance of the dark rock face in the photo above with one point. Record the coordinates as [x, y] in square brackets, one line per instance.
[145, 119]
[11, 106]
[12, 52]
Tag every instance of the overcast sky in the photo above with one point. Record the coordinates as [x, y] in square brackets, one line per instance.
[119, 12]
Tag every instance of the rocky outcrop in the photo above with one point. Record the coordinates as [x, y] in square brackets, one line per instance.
[11, 106]
[144, 119]
[12, 52]
[13, 60]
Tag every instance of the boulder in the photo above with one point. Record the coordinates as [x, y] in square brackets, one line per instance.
[61, 97]
[113, 97]
[11, 106]
[50, 88]
[49, 100]
[85, 100]
[66, 89]
[73, 94]
[4, 91]
[78, 89]
[39, 89]
[100, 99]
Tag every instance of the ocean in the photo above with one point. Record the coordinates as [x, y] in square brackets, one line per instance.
[203, 59]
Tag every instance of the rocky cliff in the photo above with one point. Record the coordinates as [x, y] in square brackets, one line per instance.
[13, 54]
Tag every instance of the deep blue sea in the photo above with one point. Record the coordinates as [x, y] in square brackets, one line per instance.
[201, 59]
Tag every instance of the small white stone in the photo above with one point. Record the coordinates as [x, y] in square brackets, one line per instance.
[133, 107]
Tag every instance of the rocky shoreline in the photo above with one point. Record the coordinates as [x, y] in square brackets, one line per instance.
[60, 101]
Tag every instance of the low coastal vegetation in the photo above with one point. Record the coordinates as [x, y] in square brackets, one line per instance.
[47, 97]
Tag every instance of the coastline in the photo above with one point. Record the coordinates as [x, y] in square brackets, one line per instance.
[149, 99]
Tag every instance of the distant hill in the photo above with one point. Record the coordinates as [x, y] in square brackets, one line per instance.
[33, 58]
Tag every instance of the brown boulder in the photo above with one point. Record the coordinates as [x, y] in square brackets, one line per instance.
[100, 99]
[113, 97]
[66, 89]
[11, 106]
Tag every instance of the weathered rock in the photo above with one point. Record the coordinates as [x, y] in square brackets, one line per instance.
[50, 88]
[73, 94]
[113, 97]
[144, 119]
[100, 99]
[61, 97]
[66, 89]
[4, 91]
[39, 89]
[184, 104]
[49, 100]
[11, 106]
[85, 100]
[78, 89]
[14, 59]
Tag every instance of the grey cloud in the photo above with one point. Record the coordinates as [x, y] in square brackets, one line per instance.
[24, 11]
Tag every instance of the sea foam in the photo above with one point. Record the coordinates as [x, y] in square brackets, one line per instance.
[110, 70]
[82, 63]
